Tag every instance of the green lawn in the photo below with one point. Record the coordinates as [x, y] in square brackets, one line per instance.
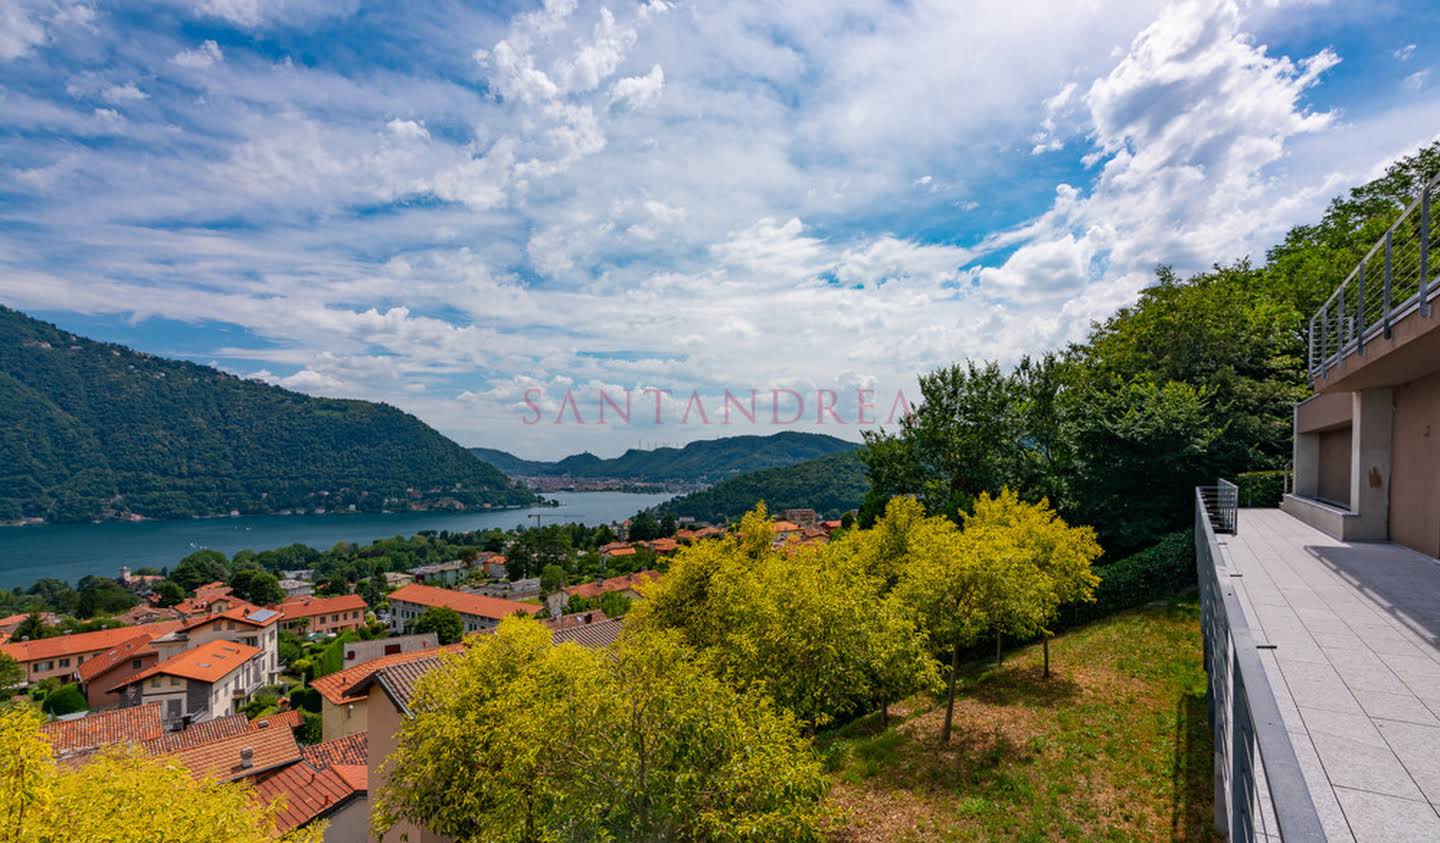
[1113, 746]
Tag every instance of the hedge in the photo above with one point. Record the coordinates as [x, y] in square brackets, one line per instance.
[1261, 488]
[1162, 570]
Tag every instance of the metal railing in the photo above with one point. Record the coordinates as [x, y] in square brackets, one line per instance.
[1260, 791]
[1395, 278]
[1222, 504]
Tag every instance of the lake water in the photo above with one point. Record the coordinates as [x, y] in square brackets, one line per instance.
[71, 551]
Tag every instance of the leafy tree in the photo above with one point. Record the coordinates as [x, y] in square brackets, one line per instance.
[668, 524]
[643, 527]
[57, 594]
[33, 627]
[65, 700]
[169, 592]
[331, 586]
[201, 567]
[44, 800]
[103, 596]
[444, 622]
[541, 742]
[11, 675]
[552, 579]
[257, 586]
[613, 604]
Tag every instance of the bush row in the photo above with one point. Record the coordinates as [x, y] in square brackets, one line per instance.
[1162, 570]
[1261, 488]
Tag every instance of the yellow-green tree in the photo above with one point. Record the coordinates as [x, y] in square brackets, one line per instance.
[119, 796]
[807, 626]
[539, 742]
[1034, 563]
[940, 581]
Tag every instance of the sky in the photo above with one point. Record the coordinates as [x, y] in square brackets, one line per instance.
[473, 211]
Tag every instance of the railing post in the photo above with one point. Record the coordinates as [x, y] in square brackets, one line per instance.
[1425, 251]
[1310, 354]
[1344, 326]
[1387, 284]
[1360, 308]
[1325, 340]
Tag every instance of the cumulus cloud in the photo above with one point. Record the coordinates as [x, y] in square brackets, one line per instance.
[639, 92]
[202, 56]
[20, 31]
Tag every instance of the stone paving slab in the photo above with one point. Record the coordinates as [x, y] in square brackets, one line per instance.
[1355, 629]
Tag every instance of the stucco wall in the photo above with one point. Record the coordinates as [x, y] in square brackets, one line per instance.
[1335, 466]
[1415, 472]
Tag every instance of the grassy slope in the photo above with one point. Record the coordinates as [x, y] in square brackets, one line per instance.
[1114, 746]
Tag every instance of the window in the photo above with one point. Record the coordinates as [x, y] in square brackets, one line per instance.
[172, 709]
[64, 662]
[155, 683]
[174, 681]
[135, 664]
[334, 618]
[392, 649]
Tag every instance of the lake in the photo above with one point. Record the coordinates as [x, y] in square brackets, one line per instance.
[71, 551]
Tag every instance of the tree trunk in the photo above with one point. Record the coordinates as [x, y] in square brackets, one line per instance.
[950, 696]
[1046, 645]
[999, 648]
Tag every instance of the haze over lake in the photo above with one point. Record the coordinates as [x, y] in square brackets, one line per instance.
[71, 551]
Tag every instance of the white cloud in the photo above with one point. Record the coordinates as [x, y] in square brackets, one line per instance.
[639, 92]
[1405, 52]
[202, 56]
[128, 92]
[19, 31]
[1417, 80]
[408, 130]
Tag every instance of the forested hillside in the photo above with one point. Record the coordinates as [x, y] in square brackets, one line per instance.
[92, 430]
[831, 485]
[1196, 380]
[706, 461]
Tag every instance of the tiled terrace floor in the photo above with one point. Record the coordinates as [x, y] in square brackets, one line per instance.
[1356, 668]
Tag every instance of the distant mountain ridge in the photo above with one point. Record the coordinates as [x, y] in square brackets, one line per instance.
[92, 430]
[831, 485]
[704, 461]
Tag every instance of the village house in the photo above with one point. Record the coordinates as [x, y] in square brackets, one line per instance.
[441, 573]
[297, 588]
[396, 579]
[801, 517]
[252, 627]
[8, 625]
[207, 681]
[330, 615]
[142, 613]
[330, 783]
[62, 655]
[343, 713]
[208, 599]
[99, 675]
[626, 585]
[359, 652]
[476, 611]
[492, 564]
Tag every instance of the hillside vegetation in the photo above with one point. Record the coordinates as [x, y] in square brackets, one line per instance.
[705, 461]
[92, 430]
[831, 485]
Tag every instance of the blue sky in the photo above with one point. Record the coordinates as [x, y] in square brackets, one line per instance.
[454, 207]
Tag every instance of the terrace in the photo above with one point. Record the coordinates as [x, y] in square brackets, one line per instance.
[1324, 660]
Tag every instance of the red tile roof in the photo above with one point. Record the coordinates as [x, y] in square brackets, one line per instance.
[595, 589]
[664, 545]
[334, 686]
[290, 719]
[82, 642]
[8, 624]
[247, 613]
[309, 607]
[785, 526]
[221, 759]
[351, 749]
[198, 734]
[466, 604]
[143, 613]
[620, 551]
[134, 648]
[309, 793]
[209, 662]
[136, 724]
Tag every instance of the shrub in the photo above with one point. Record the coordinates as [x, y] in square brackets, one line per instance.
[1261, 488]
[67, 700]
[305, 698]
[310, 730]
[1159, 571]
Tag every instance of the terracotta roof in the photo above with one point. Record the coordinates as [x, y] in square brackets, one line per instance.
[290, 718]
[664, 545]
[270, 748]
[620, 551]
[247, 613]
[198, 734]
[209, 662]
[833, 524]
[82, 642]
[143, 613]
[466, 604]
[595, 589]
[399, 680]
[8, 624]
[785, 526]
[596, 636]
[309, 607]
[350, 750]
[357, 775]
[135, 724]
[334, 686]
[309, 793]
[576, 619]
[134, 648]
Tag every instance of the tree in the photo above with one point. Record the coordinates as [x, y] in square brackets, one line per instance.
[44, 800]
[643, 527]
[169, 592]
[552, 579]
[939, 582]
[257, 586]
[33, 627]
[668, 524]
[59, 597]
[201, 567]
[444, 622]
[67, 699]
[102, 596]
[541, 742]
[11, 675]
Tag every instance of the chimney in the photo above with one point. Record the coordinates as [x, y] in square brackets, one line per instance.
[247, 757]
[589, 616]
[263, 724]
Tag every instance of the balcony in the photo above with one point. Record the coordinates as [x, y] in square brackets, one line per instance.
[1324, 661]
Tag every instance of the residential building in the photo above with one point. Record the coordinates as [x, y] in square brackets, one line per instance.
[204, 682]
[492, 565]
[297, 588]
[62, 655]
[802, 517]
[1322, 618]
[344, 713]
[396, 579]
[330, 783]
[209, 598]
[248, 625]
[626, 585]
[74, 738]
[330, 615]
[8, 625]
[359, 652]
[441, 573]
[664, 546]
[476, 611]
[787, 530]
[100, 674]
[254, 754]
[142, 613]
[528, 587]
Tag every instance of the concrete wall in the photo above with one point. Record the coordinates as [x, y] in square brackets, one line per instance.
[337, 721]
[385, 721]
[97, 690]
[1334, 474]
[1415, 484]
[350, 823]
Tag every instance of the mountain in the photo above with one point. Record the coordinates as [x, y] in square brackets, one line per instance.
[830, 485]
[705, 461]
[93, 430]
